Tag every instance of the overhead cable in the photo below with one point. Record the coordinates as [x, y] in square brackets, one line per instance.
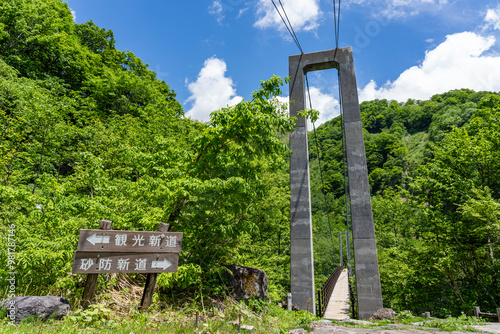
[287, 23]
[320, 169]
[336, 22]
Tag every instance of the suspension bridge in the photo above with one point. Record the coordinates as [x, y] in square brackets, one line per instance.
[333, 298]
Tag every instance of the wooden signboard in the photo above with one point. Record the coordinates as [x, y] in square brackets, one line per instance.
[129, 241]
[104, 263]
[107, 251]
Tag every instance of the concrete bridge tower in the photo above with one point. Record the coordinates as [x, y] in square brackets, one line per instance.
[369, 292]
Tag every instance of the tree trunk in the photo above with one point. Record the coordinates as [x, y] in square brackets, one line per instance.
[492, 257]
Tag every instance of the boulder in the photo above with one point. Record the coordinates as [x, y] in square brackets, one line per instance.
[247, 282]
[42, 307]
[298, 331]
[247, 328]
[383, 313]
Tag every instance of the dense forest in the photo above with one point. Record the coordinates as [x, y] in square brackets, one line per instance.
[433, 169]
[88, 132]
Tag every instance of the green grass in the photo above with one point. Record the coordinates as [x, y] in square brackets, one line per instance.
[462, 323]
[266, 318]
[214, 317]
[272, 319]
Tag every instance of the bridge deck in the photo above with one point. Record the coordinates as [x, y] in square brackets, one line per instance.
[338, 305]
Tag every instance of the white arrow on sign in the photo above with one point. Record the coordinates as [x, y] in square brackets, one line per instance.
[161, 264]
[102, 239]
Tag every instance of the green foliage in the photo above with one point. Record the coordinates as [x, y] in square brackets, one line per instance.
[404, 316]
[461, 323]
[432, 167]
[449, 221]
[264, 317]
[188, 275]
[310, 114]
[95, 315]
[88, 133]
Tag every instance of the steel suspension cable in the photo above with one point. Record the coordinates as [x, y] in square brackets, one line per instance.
[336, 21]
[288, 25]
[291, 31]
[291, 27]
[318, 153]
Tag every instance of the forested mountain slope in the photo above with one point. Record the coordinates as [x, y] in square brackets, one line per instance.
[433, 168]
[87, 132]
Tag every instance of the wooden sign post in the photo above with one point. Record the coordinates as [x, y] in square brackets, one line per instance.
[149, 288]
[107, 251]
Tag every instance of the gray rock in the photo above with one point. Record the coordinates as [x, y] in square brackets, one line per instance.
[356, 322]
[298, 331]
[489, 327]
[396, 329]
[383, 313]
[42, 307]
[247, 282]
[325, 330]
[247, 327]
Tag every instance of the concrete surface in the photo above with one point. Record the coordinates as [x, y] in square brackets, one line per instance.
[492, 327]
[323, 328]
[301, 241]
[369, 292]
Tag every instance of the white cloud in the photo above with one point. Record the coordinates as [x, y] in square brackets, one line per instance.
[354, 2]
[303, 14]
[211, 91]
[216, 10]
[327, 105]
[404, 8]
[458, 62]
[400, 8]
[242, 11]
[73, 13]
[492, 18]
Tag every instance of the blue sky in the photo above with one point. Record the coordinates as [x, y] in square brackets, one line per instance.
[213, 53]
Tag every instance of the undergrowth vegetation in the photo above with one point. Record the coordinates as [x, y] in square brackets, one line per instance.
[186, 316]
[88, 132]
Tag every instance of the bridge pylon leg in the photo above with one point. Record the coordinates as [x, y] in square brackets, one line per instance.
[369, 291]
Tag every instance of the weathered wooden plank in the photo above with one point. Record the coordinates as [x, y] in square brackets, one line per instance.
[149, 287]
[105, 263]
[91, 283]
[129, 241]
[89, 291]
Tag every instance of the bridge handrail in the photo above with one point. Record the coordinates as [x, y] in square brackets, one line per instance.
[326, 291]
